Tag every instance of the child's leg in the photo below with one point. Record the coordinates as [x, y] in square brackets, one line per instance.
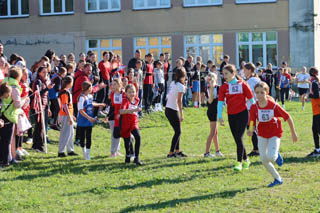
[70, 147]
[137, 138]
[202, 97]
[255, 141]
[88, 131]
[82, 136]
[215, 138]
[272, 155]
[64, 134]
[264, 150]
[127, 146]
[114, 146]
[316, 130]
[211, 135]
[282, 92]
[287, 90]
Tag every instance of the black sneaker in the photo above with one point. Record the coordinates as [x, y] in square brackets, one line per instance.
[127, 160]
[253, 153]
[314, 154]
[62, 155]
[137, 162]
[72, 153]
[181, 154]
[14, 162]
[171, 155]
[77, 142]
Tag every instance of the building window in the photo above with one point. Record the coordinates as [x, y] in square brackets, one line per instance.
[56, 7]
[102, 5]
[151, 4]
[153, 45]
[253, 1]
[257, 46]
[209, 47]
[98, 46]
[196, 3]
[14, 8]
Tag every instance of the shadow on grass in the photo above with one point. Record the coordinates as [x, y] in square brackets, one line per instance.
[300, 159]
[175, 202]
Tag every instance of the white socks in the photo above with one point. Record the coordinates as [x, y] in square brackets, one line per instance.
[84, 152]
[88, 154]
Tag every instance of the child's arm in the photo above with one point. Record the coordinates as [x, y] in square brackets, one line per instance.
[66, 109]
[98, 104]
[84, 114]
[211, 95]
[252, 118]
[293, 131]
[129, 111]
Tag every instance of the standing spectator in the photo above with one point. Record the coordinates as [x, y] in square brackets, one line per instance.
[277, 83]
[226, 60]
[241, 70]
[133, 61]
[188, 67]
[268, 77]
[159, 84]
[63, 60]
[258, 66]
[105, 70]
[82, 56]
[303, 81]
[148, 83]
[72, 60]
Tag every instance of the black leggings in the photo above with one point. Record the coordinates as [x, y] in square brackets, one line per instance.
[5, 140]
[254, 140]
[238, 124]
[85, 134]
[284, 94]
[173, 117]
[316, 130]
[147, 95]
[128, 144]
[160, 91]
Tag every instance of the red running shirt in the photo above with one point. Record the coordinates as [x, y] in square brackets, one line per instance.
[116, 101]
[269, 119]
[129, 122]
[237, 96]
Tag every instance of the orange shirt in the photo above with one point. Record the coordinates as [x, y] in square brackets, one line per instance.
[65, 99]
[315, 102]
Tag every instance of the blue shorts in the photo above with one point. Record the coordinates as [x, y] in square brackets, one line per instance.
[195, 86]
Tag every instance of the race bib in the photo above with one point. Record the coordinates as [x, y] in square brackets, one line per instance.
[235, 89]
[265, 115]
[117, 98]
[132, 106]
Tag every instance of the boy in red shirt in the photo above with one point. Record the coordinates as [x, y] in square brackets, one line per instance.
[268, 113]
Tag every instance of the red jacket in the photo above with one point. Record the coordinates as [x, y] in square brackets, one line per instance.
[79, 78]
[105, 69]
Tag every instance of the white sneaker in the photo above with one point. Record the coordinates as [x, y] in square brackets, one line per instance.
[283, 106]
[84, 153]
[219, 154]
[88, 154]
[29, 141]
[208, 155]
[19, 153]
[303, 108]
[25, 152]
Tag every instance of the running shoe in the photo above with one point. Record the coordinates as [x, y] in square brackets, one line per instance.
[314, 153]
[279, 160]
[171, 155]
[253, 153]
[219, 154]
[208, 155]
[275, 183]
[181, 154]
[246, 164]
[238, 166]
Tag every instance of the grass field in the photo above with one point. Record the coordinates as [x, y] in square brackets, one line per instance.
[44, 183]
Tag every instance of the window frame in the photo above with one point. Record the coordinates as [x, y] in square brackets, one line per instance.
[150, 8]
[103, 10]
[254, 1]
[52, 13]
[147, 47]
[99, 49]
[20, 15]
[201, 5]
[250, 43]
[197, 45]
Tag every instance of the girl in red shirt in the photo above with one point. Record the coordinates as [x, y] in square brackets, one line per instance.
[268, 114]
[235, 92]
[129, 122]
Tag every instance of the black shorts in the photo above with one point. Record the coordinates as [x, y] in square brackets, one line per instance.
[212, 112]
[303, 91]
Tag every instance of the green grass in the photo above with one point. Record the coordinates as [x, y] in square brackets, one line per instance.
[44, 183]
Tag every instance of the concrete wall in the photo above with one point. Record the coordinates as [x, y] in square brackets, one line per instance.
[67, 33]
[302, 34]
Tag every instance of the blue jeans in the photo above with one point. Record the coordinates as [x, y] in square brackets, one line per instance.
[185, 98]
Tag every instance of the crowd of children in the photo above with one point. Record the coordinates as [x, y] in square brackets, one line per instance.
[59, 93]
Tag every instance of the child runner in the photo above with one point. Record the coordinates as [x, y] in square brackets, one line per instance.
[129, 122]
[252, 80]
[213, 91]
[159, 84]
[85, 117]
[303, 80]
[268, 114]
[285, 79]
[66, 118]
[174, 111]
[236, 92]
[116, 97]
[315, 102]
[196, 85]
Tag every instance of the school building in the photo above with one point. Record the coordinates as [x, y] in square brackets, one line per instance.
[270, 31]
